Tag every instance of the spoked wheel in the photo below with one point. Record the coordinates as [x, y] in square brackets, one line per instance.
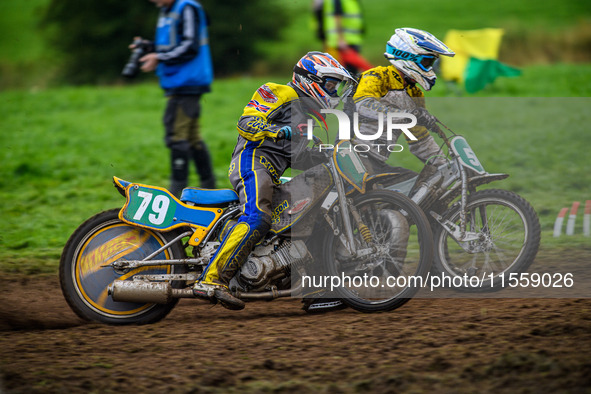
[102, 240]
[394, 253]
[508, 238]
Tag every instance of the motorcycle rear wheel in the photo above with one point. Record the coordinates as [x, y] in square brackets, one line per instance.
[510, 232]
[390, 278]
[101, 240]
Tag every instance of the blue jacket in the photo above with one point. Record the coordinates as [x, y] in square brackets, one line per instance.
[193, 76]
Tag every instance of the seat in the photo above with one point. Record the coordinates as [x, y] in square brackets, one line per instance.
[211, 197]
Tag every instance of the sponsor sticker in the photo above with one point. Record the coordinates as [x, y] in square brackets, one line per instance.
[267, 94]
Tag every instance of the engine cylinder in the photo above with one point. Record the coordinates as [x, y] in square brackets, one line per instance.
[258, 271]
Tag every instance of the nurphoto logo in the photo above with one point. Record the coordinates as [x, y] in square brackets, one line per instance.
[402, 121]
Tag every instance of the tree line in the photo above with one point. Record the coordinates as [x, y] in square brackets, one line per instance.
[92, 36]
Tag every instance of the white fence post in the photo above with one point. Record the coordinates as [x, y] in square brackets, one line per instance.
[587, 218]
[558, 222]
[570, 225]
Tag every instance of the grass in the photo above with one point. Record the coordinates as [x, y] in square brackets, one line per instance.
[60, 148]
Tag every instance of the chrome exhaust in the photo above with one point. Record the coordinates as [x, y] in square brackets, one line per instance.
[146, 292]
[142, 291]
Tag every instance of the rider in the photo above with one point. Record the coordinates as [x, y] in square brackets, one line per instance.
[395, 88]
[262, 154]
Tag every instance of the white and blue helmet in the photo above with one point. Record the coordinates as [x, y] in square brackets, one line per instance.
[413, 52]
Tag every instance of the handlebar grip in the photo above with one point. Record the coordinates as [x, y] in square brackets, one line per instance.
[436, 129]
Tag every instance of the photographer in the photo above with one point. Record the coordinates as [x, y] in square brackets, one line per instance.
[182, 62]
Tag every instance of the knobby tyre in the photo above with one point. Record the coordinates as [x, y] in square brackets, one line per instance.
[509, 238]
[101, 240]
[391, 276]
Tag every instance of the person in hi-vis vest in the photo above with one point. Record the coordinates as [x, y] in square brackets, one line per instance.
[343, 31]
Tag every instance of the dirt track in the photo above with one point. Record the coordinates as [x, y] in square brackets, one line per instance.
[441, 345]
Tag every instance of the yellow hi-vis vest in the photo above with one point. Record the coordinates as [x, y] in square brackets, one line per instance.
[351, 20]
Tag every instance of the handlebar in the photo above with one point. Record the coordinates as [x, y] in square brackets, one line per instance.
[437, 130]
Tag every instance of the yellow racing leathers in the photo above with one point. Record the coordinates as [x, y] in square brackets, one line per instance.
[382, 90]
[258, 161]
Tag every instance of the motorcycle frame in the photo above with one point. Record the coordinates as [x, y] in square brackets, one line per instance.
[232, 211]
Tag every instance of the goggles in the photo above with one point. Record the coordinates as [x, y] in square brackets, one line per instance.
[331, 85]
[425, 62]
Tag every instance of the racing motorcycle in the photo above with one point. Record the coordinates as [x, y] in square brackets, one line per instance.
[133, 264]
[477, 235]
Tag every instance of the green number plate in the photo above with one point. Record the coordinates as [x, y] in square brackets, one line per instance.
[150, 207]
[466, 154]
[349, 165]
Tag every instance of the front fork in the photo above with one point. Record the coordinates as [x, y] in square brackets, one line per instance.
[458, 232]
[349, 211]
[350, 244]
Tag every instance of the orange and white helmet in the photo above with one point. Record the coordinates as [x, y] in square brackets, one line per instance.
[413, 52]
[321, 77]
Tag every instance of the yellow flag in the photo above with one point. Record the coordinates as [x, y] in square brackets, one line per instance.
[481, 44]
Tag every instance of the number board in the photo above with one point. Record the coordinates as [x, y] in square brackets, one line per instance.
[350, 166]
[150, 207]
[466, 154]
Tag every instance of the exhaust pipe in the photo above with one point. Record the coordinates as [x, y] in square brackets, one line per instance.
[146, 292]
[141, 291]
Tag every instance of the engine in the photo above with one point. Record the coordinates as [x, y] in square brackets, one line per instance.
[266, 265]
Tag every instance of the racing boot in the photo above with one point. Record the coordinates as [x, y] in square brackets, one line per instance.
[217, 293]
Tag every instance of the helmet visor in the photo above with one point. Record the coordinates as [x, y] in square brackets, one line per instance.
[331, 86]
[425, 62]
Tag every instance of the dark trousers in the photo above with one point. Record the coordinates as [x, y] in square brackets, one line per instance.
[181, 124]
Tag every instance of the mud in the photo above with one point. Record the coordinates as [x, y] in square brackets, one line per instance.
[428, 345]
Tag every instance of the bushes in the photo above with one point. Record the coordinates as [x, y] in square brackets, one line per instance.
[93, 35]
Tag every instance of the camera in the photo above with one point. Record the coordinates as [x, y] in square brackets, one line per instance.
[141, 47]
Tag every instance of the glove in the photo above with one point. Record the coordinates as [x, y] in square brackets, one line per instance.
[424, 118]
[284, 133]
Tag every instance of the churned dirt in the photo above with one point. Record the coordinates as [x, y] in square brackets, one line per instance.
[428, 345]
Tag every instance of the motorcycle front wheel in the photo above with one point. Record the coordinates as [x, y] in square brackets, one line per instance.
[84, 279]
[394, 253]
[508, 232]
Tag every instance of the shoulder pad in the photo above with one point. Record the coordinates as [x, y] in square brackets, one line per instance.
[273, 92]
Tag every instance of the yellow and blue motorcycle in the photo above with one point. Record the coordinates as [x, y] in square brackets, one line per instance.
[334, 231]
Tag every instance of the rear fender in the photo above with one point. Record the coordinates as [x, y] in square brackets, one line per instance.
[157, 209]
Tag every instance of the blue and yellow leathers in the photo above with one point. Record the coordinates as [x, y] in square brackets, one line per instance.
[258, 161]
